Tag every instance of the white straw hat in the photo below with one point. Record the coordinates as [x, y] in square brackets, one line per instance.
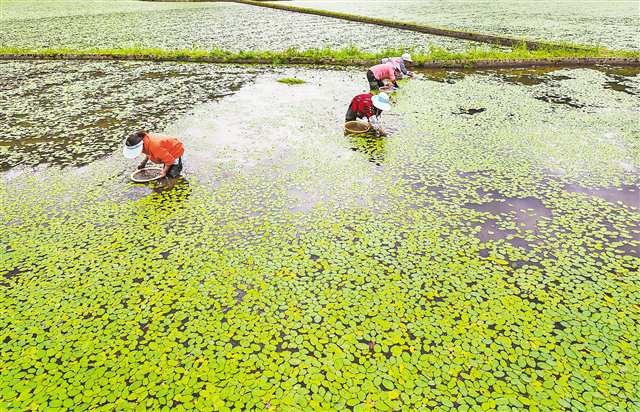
[381, 101]
[407, 57]
[131, 152]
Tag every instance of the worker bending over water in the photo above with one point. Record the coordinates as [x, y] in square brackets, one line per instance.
[370, 107]
[159, 149]
[377, 75]
[401, 65]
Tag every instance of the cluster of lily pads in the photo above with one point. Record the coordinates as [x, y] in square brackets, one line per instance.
[610, 24]
[35, 9]
[226, 26]
[472, 259]
[67, 113]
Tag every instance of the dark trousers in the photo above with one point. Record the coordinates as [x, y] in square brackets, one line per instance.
[351, 115]
[175, 170]
[374, 84]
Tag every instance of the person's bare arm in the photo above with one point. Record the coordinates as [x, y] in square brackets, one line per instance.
[165, 157]
[165, 170]
[143, 164]
[374, 121]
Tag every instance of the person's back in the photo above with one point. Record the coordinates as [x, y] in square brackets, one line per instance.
[383, 71]
[398, 64]
[370, 107]
[362, 106]
[378, 74]
[162, 149]
[391, 60]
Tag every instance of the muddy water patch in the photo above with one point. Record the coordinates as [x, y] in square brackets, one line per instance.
[623, 86]
[559, 99]
[525, 77]
[304, 200]
[470, 111]
[440, 76]
[622, 80]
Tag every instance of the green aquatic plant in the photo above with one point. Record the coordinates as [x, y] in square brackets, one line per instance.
[291, 80]
[422, 28]
[116, 29]
[345, 56]
[503, 18]
[81, 131]
[488, 261]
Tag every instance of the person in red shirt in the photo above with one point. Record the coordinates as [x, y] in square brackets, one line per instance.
[159, 149]
[370, 107]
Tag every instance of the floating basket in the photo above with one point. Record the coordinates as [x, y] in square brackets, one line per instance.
[146, 175]
[357, 127]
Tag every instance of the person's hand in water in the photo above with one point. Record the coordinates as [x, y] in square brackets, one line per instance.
[165, 170]
[143, 164]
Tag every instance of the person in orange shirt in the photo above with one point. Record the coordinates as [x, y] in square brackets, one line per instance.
[159, 149]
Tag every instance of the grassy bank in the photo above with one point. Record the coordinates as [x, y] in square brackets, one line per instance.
[345, 56]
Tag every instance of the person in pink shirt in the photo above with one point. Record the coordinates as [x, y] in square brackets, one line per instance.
[402, 65]
[380, 72]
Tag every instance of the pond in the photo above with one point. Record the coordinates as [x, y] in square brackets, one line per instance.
[471, 258]
[612, 24]
[206, 26]
[71, 113]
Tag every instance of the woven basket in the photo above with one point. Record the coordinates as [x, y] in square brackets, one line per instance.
[146, 175]
[357, 127]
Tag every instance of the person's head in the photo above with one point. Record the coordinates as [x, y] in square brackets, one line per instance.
[133, 144]
[381, 102]
[407, 60]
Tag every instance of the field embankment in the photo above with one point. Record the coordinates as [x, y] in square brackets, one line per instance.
[519, 56]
